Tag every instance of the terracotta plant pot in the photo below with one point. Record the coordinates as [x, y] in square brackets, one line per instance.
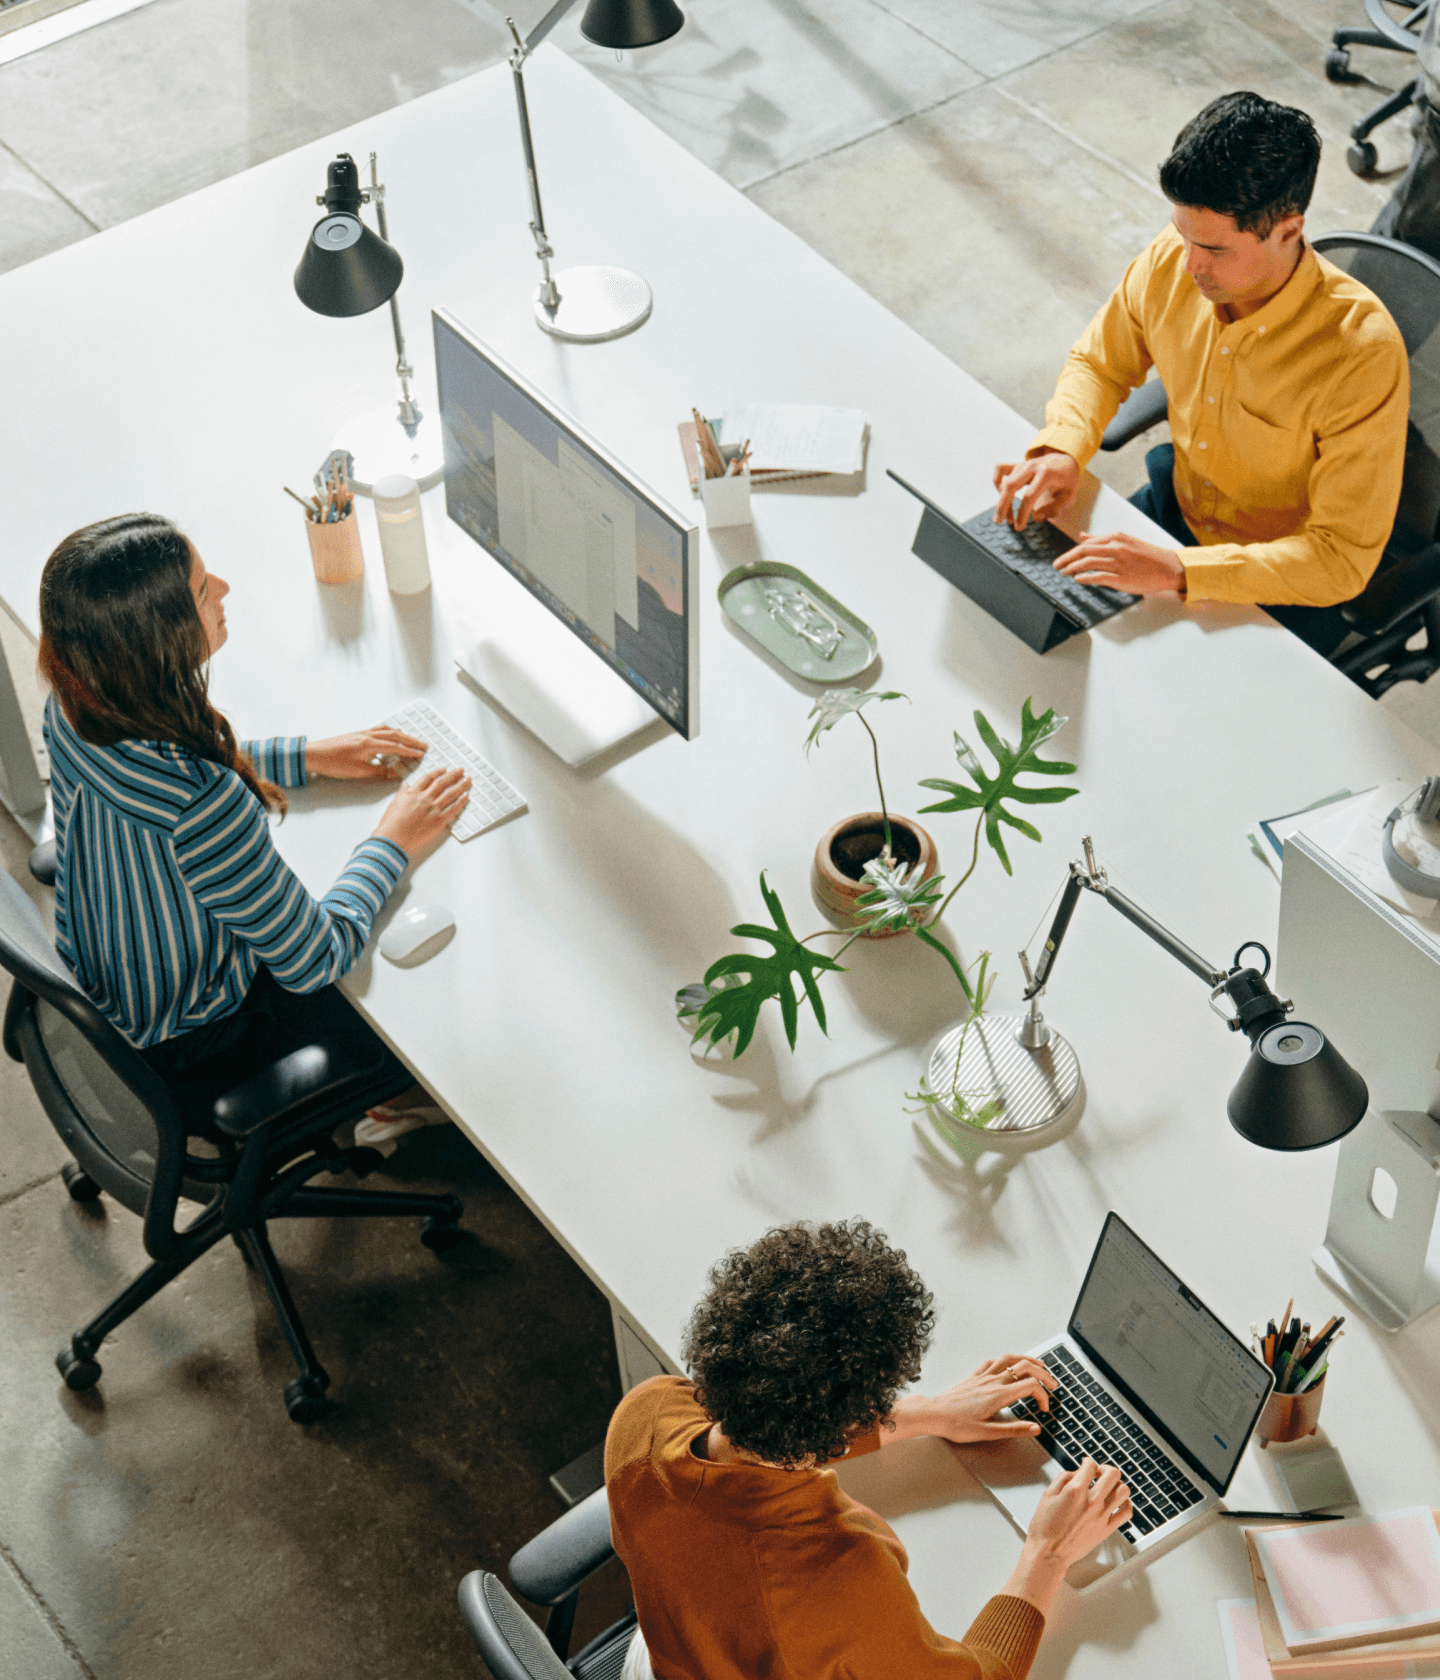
[1287, 1417]
[837, 879]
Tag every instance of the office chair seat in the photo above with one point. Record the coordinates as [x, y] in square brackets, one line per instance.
[250, 1163]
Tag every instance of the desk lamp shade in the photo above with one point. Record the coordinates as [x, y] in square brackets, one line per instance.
[1297, 1090]
[631, 23]
[346, 269]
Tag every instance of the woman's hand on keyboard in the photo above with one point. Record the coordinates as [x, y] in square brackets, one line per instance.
[969, 1411]
[423, 809]
[1076, 1512]
[381, 754]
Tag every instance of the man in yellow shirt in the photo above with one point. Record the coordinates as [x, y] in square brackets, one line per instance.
[1288, 387]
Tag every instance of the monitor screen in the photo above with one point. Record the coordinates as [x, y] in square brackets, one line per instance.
[1198, 1384]
[574, 526]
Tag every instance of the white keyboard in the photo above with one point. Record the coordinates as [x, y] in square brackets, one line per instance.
[492, 798]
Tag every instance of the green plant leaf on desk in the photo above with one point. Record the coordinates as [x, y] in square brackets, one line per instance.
[840, 702]
[898, 898]
[990, 792]
[737, 1008]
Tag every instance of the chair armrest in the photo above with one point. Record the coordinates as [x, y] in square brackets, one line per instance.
[552, 1565]
[1393, 594]
[1146, 406]
[319, 1070]
[43, 863]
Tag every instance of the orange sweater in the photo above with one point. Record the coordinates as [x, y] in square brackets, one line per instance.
[740, 1571]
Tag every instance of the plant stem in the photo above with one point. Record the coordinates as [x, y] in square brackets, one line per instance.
[884, 814]
[846, 946]
[950, 957]
[974, 859]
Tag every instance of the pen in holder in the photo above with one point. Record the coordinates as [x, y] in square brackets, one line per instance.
[1286, 1417]
[330, 524]
[722, 476]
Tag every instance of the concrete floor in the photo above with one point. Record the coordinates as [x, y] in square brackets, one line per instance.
[983, 167]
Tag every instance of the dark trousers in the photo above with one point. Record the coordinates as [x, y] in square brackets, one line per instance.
[203, 1064]
[1321, 628]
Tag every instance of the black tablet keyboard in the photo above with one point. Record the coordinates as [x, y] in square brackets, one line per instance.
[1084, 1420]
[1033, 553]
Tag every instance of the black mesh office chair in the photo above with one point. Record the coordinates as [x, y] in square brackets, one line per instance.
[270, 1135]
[1400, 34]
[1402, 600]
[549, 1570]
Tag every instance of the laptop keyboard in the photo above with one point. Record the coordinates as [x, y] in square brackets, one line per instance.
[1083, 1419]
[1033, 553]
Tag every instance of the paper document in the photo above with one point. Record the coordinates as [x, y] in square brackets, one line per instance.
[1244, 1645]
[1269, 835]
[791, 437]
[1364, 1579]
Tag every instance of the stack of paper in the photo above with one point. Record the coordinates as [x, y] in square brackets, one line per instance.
[1339, 1599]
[792, 440]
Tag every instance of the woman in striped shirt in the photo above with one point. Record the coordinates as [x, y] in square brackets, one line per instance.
[172, 906]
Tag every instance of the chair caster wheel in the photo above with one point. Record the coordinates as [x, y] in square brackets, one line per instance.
[1362, 158]
[79, 1373]
[1337, 66]
[440, 1234]
[79, 1183]
[305, 1400]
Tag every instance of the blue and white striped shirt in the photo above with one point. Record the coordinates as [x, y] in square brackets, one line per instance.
[170, 895]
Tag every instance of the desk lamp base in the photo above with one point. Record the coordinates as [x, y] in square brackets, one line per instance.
[381, 445]
[596, 304]
[1036, 1085]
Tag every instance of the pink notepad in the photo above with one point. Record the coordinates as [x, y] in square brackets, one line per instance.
[1244, 1643]
[1364, 1579]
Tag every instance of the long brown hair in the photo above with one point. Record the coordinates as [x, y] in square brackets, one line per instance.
[123, 645]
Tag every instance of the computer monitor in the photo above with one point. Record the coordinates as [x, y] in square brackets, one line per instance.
[587, 538]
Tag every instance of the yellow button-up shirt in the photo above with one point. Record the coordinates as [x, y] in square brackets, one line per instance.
[1289, 425]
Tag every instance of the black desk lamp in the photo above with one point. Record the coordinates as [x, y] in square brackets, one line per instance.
[1296, 1091]
[347, 270]
[590, 304]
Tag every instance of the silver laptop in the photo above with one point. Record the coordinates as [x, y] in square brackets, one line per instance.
[1149, 1380]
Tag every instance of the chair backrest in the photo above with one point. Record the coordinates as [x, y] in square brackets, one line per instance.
[512, 1646]
[1407, 282]
[112, 1110]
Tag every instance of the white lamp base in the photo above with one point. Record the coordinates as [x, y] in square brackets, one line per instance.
[596, 303]
[1036, 1087]
[381, 445]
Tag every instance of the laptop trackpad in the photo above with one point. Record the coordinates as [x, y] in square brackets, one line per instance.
[1015, 1472]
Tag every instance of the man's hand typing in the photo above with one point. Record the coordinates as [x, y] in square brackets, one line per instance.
[1121, 561]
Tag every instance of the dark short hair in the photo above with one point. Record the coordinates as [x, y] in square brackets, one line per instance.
[1247, 158]
[805, 1339]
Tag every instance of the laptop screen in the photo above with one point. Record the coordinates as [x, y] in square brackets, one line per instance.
[1199, 1385]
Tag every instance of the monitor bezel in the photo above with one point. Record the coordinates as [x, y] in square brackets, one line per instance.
[1098, 1359]
[689, 533]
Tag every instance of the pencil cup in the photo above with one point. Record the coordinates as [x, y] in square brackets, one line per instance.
[727, 500]
[1286, 1417]
[335, 550]
[402, 534]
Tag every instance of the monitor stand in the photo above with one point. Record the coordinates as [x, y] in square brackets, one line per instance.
[530, 664]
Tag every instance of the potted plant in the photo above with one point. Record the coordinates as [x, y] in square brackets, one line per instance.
[838, 877]
[725, 1007]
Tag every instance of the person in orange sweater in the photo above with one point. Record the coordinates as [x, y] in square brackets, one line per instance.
[745, 1557]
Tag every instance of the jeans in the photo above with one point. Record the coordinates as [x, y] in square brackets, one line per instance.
[1321, 628]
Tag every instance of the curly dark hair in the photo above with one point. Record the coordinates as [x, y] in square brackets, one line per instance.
[1245, 157]
[805, 1338]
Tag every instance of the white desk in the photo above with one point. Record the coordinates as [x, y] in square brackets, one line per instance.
[167, 364]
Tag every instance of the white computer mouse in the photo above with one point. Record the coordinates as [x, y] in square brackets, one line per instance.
[417, 933]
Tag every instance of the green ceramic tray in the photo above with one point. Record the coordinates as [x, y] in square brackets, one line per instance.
[791, 616]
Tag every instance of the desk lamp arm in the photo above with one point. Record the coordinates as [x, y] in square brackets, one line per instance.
[524, 46]
[1256, 1006]
[410, 415]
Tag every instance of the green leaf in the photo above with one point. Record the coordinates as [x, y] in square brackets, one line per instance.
[840, 702]
[737, 1008]
[898, 898]
[990, 792]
